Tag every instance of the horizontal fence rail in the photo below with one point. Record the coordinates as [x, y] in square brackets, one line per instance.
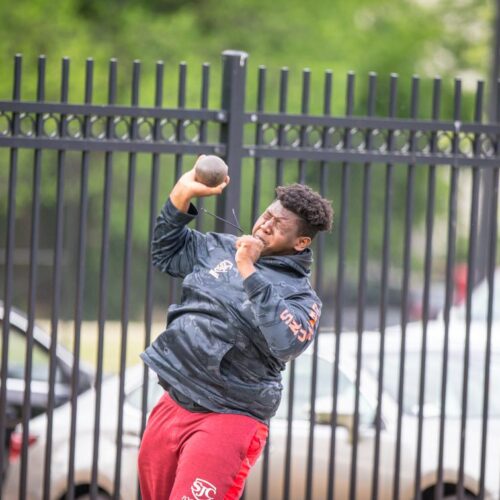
[476, 143]
[395, 398]
[61, 127]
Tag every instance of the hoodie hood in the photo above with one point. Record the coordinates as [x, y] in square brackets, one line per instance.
[299, 263]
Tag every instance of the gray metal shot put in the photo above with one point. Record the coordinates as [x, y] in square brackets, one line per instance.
[210, 170]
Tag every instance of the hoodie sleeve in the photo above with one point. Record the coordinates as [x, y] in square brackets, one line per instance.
[175, 246]
[288, 324]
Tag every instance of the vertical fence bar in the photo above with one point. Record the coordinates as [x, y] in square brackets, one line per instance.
[289, 431]
[205, 82]
[80, 286]
[362, 287]
[181, 104]
[471, 272]
[306, 89]
[259, 140]
[282, 130]
[153, 210]
[9, 259]
[384, 280]
[132, 164]
[429, 229]
[103, 275]
[325, 134]
[306, 84]
[205, 88]
[320, 250]
[450, 264]
[314, 375]
[56, 285]
[174, 285]
[487, 174]
[339, 304]
[283, 95]
[405, 290]
[431, 195]
[152, 218]
[491, 264]
[288, 445]
[231, 133]
[33, 276]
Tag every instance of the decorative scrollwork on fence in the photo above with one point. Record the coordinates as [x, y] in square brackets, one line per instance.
[362, 139]
[100, 128]
[5, 124]
[370, 139]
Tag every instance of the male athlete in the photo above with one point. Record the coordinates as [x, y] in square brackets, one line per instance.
[247, 307]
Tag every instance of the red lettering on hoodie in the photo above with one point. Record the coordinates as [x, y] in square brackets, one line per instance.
[303, 333]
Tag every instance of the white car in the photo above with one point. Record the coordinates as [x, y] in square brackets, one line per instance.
[40, 363]
[301, 425]
[367, 407]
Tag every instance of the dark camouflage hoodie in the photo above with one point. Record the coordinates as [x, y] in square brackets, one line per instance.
[228, 340]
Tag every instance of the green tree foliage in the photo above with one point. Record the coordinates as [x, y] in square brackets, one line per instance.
[427, 37]
[424, 37]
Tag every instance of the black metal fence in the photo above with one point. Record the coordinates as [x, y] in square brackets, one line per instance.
[410, 207]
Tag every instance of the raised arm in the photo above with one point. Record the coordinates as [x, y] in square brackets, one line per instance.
[174, 246]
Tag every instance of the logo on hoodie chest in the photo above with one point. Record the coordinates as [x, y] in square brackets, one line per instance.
[222, 267]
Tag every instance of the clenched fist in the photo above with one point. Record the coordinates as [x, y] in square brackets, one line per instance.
[248, 250]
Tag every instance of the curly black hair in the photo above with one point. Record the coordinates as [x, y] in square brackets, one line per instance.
[315, 212]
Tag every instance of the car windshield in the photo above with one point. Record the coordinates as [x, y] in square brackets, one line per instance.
[324, 390]
[434, 363]
[16, 366]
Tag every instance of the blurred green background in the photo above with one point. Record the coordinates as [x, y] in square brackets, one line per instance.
[409, 37]
[426, 37]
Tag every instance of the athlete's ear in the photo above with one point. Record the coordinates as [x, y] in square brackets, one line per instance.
[301, 243]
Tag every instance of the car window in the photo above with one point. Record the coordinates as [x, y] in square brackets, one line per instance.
[324, 390]
[17, 358]
[155, 391]
[434, 364]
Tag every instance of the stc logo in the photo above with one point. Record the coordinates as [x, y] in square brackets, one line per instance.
[202, 490]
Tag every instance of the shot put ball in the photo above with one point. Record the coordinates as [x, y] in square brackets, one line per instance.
[210, 170]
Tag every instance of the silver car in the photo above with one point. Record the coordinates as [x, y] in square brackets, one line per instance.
[301, 424]
[40, 357]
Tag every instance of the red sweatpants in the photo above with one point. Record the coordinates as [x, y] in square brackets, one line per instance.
[197, 456]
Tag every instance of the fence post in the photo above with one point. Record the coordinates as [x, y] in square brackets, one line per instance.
[231, 132]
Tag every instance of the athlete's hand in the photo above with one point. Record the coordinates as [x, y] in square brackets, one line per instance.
[187, 188]
[248, 250]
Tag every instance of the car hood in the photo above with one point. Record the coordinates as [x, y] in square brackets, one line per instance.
[86, 407]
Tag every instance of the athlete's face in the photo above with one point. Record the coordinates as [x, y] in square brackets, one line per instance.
[278, 228]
